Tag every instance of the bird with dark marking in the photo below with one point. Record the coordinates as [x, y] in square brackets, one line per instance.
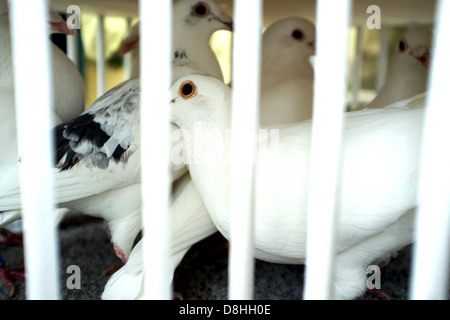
[97, 154]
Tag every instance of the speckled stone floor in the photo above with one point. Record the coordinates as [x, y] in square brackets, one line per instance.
[202, 275]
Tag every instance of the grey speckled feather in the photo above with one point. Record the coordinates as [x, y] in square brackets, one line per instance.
[108, 130]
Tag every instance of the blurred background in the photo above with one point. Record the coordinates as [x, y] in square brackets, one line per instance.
[366, 67]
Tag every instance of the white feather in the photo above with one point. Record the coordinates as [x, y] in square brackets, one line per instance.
[191, 224]
[287, 75]
[190, 41]
[377, 186]
[409, 71]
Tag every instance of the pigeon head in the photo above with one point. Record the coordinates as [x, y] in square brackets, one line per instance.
[131, 42]
[205, 16]
[57, 23]
[198, 98]
[199, 18]
[287, 46]
[408, 74]
[293, 37]
[414, 48]
[55, 20]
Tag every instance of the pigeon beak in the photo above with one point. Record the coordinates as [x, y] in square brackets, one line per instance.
[57, 23]
[422, 54]
[312, 44]
[226, 20]
[129, 45]
[61, 27]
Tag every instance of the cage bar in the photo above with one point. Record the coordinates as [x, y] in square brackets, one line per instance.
[128, 58]
[155, 81]
[72, 47]
[431, 252]
[101, 62]
[33, 101]
[330, 77]
[357, 68]
[245, 119]
[383, 58]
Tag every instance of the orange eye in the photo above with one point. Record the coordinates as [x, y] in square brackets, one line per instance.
[187, 90]
[200, 9]
[402, 45]
[298, 34]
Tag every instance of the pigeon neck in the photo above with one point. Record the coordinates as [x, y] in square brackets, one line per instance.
[207, 145]
[400, 86]
[197, 54]
[276, 70]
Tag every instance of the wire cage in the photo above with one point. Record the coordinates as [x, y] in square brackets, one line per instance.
[341, 69]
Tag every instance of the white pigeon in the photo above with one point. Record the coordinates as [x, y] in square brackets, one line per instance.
[408, 76]
[377, 187]
[68, 85]
[409, 71]
[194, 22]
[191, 224]
[287, 74]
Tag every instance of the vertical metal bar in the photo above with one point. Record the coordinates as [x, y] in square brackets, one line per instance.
[431, 250]
[357, 68]
[127, 59]
[155, 75]
[33, 101]
[246, 79]
[101, 62]
[326, 144]
[383, 57]
[72, 47]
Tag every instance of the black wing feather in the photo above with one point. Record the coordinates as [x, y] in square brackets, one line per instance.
[68, 136]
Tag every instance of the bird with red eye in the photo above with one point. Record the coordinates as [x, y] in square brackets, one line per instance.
[187, 90]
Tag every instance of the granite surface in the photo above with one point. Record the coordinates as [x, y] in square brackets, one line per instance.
[202, 275]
